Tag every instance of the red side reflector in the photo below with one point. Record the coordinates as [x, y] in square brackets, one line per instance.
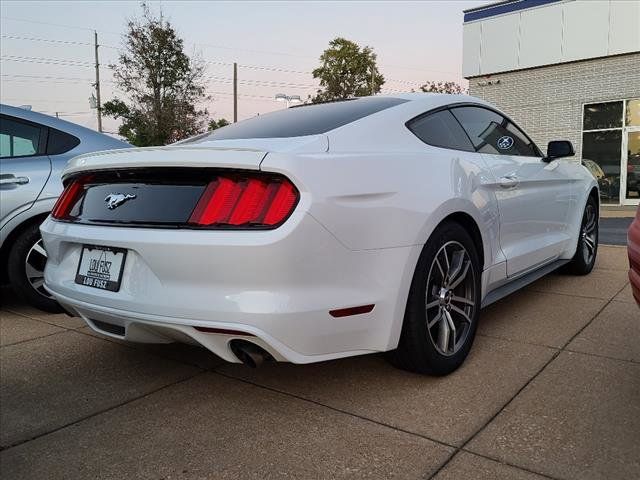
[346, 312]
[252, 200]
[223, 331]
[65, 202]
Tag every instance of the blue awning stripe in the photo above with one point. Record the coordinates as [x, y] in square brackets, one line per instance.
[492, 11]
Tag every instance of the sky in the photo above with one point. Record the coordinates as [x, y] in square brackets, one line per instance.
[47, 52]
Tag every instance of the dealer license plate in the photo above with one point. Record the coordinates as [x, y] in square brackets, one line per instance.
[101, 267]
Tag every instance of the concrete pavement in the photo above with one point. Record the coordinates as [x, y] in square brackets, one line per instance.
[551, 390]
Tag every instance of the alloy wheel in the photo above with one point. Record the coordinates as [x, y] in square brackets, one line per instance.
[589, 233]
[34, 264]
[450, 298]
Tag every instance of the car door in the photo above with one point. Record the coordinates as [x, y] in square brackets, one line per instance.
[24, 165]
[534, 196]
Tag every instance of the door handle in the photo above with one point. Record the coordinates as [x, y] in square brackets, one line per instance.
[11, 180]
[509, 181]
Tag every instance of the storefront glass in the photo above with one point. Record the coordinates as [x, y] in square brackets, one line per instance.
[611, 140]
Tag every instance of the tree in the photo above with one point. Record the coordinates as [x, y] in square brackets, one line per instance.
[441, 87]
[162, 83]
[213, 124]
[347, 71]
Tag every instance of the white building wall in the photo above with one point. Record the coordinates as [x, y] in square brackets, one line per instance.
[559, 32]
[547, 102]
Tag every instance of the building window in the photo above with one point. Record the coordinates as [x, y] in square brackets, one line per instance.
[611, 139]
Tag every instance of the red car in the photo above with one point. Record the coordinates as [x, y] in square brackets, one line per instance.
[634, 256]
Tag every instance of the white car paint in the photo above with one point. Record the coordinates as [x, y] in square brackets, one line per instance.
[371, 194]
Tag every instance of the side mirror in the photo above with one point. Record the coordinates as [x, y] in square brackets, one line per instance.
[559, 149]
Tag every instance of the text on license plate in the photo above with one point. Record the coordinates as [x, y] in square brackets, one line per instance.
[101, 267]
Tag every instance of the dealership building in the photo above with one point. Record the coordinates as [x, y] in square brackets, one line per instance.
[565, 69]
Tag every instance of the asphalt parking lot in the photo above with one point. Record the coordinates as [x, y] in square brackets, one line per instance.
[551, 390]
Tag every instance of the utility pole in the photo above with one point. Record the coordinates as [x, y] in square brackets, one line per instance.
[373, 88]
[97, 85]
[235, 92]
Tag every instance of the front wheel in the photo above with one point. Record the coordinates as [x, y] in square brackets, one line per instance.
[444, 304]
[585, 257]
[27, 259]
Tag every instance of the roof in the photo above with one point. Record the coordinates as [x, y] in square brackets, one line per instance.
[502, 7]
[59, 124]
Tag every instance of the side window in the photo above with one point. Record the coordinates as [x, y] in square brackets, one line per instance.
[493, 133]
[440, 129]
[59, 142]
[18, 139]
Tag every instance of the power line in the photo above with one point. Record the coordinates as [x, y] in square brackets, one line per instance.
[68, 114]
[46, 61]
[33, 39]
[256, 82]
[247, 66]
[226, 47]
[46, 77]
[49, 100]
[63, 42]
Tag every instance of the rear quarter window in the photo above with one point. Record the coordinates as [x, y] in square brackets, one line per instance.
[304, 120]
[59, 142]
[440, 129]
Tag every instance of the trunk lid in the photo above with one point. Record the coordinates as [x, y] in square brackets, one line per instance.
[179, 156]
[240, 154]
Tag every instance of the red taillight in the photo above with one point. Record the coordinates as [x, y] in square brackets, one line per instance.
[254, 201]
[69, 196]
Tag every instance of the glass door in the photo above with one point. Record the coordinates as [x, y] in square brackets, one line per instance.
[631, 165]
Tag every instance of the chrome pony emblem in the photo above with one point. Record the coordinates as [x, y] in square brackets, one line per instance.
[505, 143]
[114, 200]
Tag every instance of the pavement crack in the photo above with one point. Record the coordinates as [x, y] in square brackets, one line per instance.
[555, 355]
[100, 412]
[335, 409]
[27, 340]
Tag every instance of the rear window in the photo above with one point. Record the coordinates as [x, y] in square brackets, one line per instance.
[304, 119]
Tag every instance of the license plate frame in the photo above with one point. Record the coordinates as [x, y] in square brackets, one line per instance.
[101, 279]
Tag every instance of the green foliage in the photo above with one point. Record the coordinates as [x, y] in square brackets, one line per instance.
[347, 71]
[442, 87]
[162, 83]
[213, 124]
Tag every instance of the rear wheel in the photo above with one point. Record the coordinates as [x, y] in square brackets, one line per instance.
[27, 259]
[585, 257]
[444, 304]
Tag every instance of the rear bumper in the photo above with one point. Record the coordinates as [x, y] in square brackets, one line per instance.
[634, 257]
[275, 286]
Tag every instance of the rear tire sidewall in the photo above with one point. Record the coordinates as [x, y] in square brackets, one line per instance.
[416, 351]
[17, 274]
[579, 264]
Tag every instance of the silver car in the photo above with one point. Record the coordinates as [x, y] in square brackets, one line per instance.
[34, 148]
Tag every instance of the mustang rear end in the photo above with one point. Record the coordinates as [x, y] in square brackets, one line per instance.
[201, 246]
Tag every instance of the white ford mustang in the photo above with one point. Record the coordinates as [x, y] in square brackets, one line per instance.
[322, 231]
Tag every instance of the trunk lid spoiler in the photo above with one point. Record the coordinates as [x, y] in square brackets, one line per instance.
[243, 154]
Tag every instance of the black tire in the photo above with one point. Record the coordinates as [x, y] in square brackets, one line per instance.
[417, 350]
[585, 257]
[17, 270]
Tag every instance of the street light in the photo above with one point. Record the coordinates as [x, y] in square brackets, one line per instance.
[281, 97]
